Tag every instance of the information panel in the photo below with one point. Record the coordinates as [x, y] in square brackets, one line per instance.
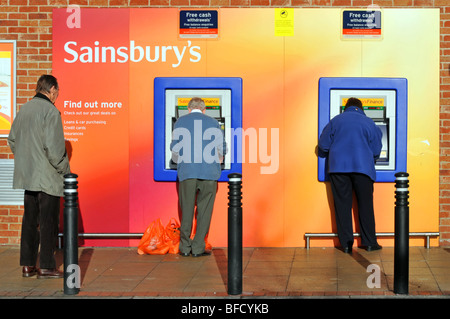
[199, 24]
[361, 24]
[7, 85]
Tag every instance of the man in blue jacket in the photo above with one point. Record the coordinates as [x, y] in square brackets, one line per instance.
[352, 142]
[198, 146]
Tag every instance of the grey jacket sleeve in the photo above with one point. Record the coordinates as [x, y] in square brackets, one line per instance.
[11, 141]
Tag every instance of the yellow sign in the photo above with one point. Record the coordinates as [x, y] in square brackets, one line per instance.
[284, 22]
[368, 101]
[209, 101]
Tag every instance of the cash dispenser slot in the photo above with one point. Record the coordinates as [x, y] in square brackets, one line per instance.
[384, 155]
[378, 115]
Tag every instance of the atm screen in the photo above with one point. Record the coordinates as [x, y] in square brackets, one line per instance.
[217, 104]
[379, 105]
[374, 108]
[213, 106]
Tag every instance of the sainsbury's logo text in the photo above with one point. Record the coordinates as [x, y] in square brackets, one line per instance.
[131, 53]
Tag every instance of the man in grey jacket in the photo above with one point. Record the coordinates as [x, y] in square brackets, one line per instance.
[40, 163]
[198, 144]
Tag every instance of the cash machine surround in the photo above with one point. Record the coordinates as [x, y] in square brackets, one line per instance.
[223, 99]
[385, 101]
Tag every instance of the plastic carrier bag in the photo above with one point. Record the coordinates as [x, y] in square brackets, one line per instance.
[160, 240]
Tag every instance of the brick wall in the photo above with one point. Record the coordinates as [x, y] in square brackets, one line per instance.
[30, 23]
[444, 175]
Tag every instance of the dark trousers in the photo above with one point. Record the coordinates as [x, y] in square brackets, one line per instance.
[343, 186]
[39, 228]
[204, 193]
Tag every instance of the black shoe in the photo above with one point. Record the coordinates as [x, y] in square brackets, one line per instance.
[205, 253]
[373, 247]
[184, 254]
[347, 250]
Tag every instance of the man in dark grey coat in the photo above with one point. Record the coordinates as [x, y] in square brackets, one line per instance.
[40, 163]
[198, 144]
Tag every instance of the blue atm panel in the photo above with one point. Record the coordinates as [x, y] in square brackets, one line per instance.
[385, 101]
[223, 97]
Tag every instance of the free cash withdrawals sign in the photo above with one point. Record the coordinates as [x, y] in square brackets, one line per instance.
[199, 24]
[361, 24]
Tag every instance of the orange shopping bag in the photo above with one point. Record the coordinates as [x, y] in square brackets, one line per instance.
[173, 236]
[154, 241]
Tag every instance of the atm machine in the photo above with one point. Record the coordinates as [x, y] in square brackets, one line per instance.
[223, 99]
[218, 106]
[385, 101]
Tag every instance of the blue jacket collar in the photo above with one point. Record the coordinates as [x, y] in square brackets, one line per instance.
[355, 109]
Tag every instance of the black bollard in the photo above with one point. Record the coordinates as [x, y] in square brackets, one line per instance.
[234, 234]
[401, 239]
[71, 268]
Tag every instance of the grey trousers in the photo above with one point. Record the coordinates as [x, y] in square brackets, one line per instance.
[204, 193]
